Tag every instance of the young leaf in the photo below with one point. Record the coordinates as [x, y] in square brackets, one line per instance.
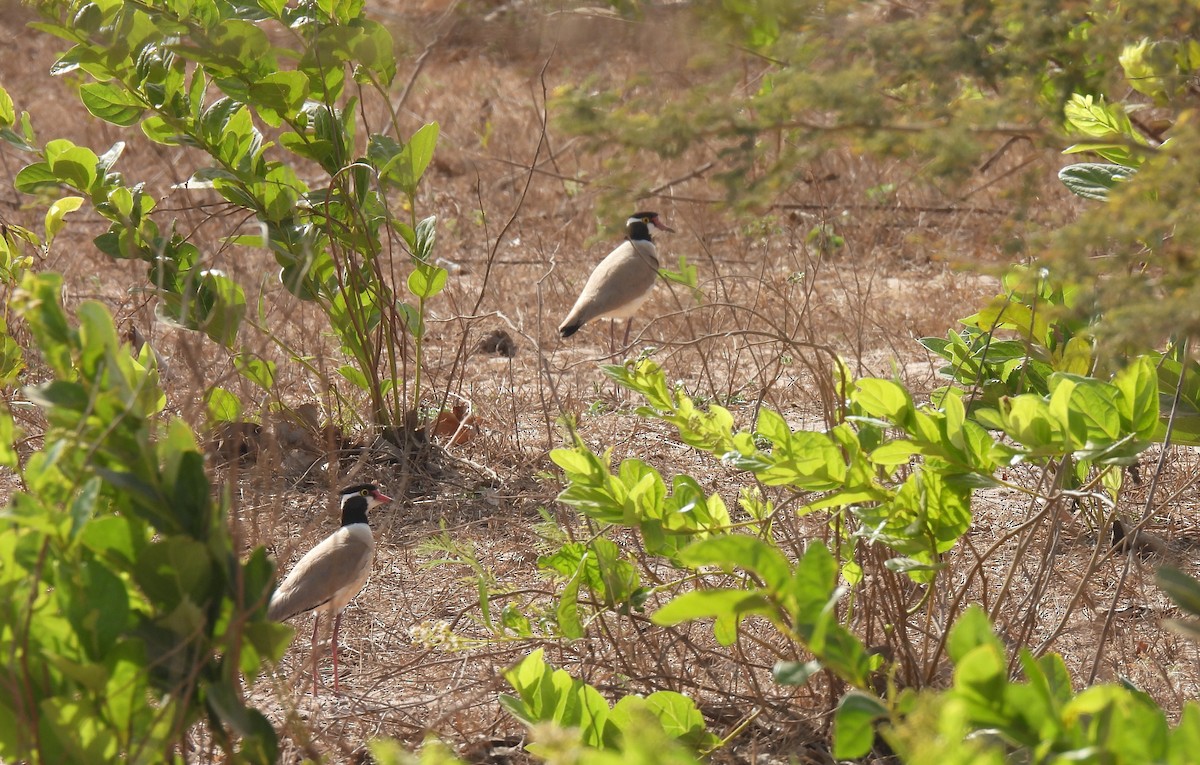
[56, 213]
[794, 672]
[742, 551]
[406, 168]
[853, 724]
[427, 280]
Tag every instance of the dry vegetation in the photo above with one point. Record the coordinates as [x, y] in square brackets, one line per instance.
[517, 214]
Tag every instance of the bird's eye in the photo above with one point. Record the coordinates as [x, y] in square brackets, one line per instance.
[365, 493]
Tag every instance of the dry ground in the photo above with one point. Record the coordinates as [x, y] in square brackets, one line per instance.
[903, 272]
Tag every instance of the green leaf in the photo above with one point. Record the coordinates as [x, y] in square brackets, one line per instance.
[970, 631]
[1028, 420]
[728, 605]
[221, 304]
[1180, 587]
[425, 235]
[567, 610]
[406, 168]
[56, 213]
[1138, 384]
[162, 132]
[278, 96]
[854, 724]
[36, 176]
[256, 369]
[743, 551]
[427, 280]
[884, 399]
[111, 103]
[676, 713]
[1107, 127]
[550, 695]
[8, 436]
[1185, 738]
[8, 114]
[222, 405]
[794, 672]
[1092, 180]
[814, 583]
[72, 165]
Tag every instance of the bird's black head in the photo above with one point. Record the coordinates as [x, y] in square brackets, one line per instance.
[638, 225]
[358, 499]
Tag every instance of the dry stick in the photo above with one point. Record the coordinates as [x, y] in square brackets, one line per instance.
[760, 285]
[993, 181]
[1132, 547]
[1079, 590]
[895, 597]
[705, 366]
[1041, 583]
[717, 279]
[621, 656]
[978, 571]
[412, 79]
[699, 171]
[1023, 544]
[489, 264]
[996, 155]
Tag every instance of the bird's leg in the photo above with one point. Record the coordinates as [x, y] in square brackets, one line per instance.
[316, 621]
[337, 624]
[628, 328]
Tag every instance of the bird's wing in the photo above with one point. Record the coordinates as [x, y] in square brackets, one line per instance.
[623, 277]
[323, 572]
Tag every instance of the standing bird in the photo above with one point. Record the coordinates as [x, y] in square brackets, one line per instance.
[332, 573]
[623, 280]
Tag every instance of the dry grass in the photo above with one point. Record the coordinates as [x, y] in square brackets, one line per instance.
[516, 213]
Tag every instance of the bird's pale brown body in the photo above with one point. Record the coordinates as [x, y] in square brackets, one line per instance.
[621, 282]
[618, 286]
[328, 577]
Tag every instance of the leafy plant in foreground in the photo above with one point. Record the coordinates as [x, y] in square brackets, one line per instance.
[548, 695]
[128, 613]
[988, 717]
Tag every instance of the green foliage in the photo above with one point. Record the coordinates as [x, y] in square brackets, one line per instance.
[1185, 591]
[433, 752]
[1022, 365]
[1038, 719]
[129, 613]
[919, 515]
[799, 601]
[204, 76]
[1107, 130]
[1093, 180]
[636, 496]
[548, 695]
[898, 474]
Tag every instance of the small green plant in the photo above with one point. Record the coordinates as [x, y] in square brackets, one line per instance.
[548, 695]
[204, 77]
[986, 716]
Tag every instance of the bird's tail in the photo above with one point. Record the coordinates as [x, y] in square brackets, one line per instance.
[569, 329]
